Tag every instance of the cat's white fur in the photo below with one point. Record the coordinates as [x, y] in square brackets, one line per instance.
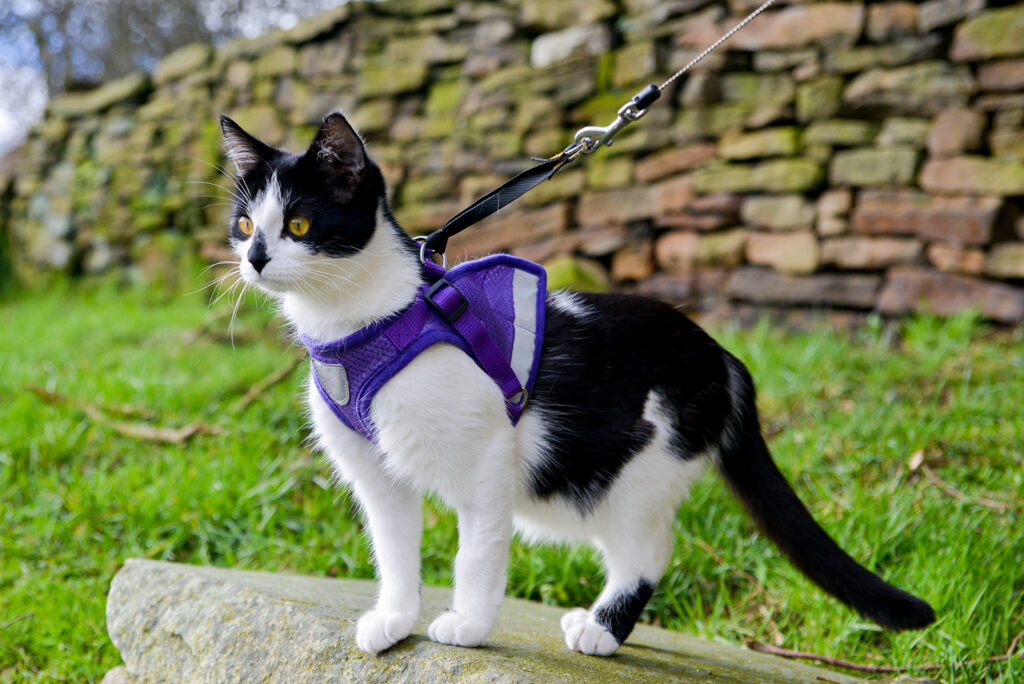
[442, 428]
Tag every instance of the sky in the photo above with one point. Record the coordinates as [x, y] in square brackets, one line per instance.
[22, 101]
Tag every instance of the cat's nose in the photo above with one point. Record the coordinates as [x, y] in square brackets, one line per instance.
[258, 253]
[258, 262]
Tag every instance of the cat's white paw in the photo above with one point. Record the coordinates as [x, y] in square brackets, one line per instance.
[381, 629]
[458, 630]
[584, 634]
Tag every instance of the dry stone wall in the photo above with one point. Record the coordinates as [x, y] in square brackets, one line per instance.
[849, 155]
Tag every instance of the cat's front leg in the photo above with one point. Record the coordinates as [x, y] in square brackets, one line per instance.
[484, 510]
[393, 512]
[394, 515]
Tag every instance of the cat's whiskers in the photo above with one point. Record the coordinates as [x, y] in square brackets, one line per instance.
[227, 292]
[225, 262]
[329, 287]
[240, 191]
[234, 313]
[216, 167]
[234, 271]
[207, 286]
[232, 192]
[333, 278]
[309, 290]
[242, 186]
[339, 282]
[325, 287]
[338, 265]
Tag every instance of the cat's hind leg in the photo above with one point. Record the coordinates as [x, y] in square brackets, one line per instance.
[635, 559]
[632, 527]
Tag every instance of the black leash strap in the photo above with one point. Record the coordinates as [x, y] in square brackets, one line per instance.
[502, 196]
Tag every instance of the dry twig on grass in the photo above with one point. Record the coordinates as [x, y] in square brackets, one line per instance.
[917, 462]
[955, 493]
[138, 430]
[761, 647]
[24, 616]
[257, 390]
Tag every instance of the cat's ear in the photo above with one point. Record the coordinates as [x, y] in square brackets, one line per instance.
[243, 149]
[338, 150]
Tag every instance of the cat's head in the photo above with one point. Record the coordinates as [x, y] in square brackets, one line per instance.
[298, 217]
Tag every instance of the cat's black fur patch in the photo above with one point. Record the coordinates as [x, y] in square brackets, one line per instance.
[594, 378]
[620, 614]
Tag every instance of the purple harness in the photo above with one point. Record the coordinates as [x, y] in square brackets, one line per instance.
[491, 308]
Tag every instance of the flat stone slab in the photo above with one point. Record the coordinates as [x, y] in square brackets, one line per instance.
[184, 623]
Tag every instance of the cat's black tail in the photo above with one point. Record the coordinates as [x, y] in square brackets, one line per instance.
[748, 467]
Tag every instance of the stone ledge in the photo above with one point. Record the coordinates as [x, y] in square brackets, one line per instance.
[178, 623]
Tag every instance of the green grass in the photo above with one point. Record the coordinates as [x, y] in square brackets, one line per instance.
[846, 414]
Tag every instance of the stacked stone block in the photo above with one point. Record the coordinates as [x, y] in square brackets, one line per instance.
[864, 156]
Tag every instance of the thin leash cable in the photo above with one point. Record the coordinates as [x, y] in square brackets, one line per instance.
[714, 46]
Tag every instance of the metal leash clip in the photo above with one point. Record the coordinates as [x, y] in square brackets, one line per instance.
[590, 138]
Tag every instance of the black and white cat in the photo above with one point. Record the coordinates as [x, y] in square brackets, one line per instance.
[631, 401]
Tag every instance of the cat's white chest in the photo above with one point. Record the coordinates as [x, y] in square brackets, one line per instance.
[436, 421]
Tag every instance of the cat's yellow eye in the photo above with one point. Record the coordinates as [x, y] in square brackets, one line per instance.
[245, 225]
[298, 225]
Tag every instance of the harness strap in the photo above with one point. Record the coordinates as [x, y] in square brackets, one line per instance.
[404, 331]
[451, 304]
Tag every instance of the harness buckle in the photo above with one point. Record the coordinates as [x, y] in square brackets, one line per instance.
[437, 287]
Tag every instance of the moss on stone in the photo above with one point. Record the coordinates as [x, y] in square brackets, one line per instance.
[757, 88]
[633, 64]
[874, 166]
[389, 78]
[781, 141]
[446, 97]
[126, 89]
[609, 172]
[425, 188]
[819, 98]
[903, 130]
[841, 132]
[994, 33]
[782, 175]
[711, 121]
[577, 273]
[182, 62]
